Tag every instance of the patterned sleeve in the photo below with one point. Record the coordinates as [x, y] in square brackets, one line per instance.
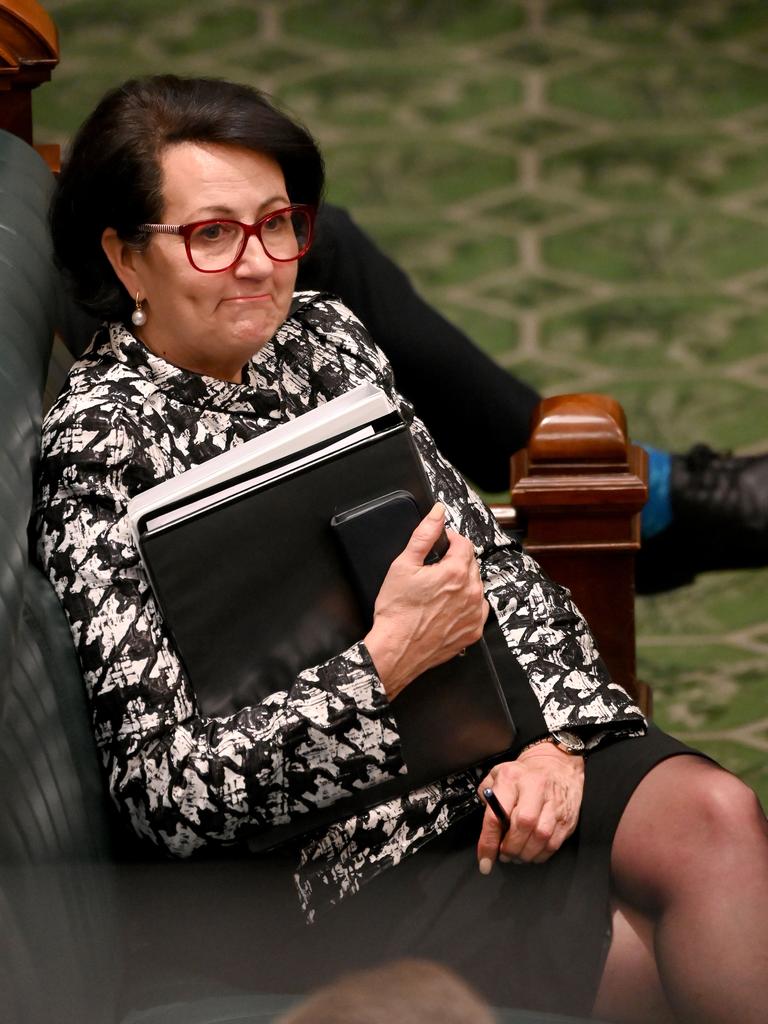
[545, 631]
[185, 780]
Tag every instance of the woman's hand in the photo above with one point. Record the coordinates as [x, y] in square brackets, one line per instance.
[541, 791]
[425, 614]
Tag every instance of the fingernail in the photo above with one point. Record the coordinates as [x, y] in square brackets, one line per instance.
[485, 866]
[437, 511]
[505, 858]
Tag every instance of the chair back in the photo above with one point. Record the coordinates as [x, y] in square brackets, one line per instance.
[56, 931]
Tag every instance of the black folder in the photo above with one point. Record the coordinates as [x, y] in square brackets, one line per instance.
[258, 586]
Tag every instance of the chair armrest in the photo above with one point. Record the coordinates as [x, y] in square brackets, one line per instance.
[577, 491]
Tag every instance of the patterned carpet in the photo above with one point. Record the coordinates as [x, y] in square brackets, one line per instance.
[581, 184]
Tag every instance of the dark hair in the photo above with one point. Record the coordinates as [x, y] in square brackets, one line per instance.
[113, 177]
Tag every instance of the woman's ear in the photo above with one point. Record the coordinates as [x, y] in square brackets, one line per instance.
[124, 263]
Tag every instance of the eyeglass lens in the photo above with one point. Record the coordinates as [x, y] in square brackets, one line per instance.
[215, 245]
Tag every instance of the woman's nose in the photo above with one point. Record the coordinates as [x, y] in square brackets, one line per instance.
[254, 262]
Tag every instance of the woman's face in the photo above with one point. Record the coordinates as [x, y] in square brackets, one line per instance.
[209, 323]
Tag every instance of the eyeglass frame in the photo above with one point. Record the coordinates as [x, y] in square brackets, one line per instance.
[186, 230]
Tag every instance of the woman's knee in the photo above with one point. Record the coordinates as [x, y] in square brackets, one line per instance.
[685, 821]
[712, 804]
[724, 804]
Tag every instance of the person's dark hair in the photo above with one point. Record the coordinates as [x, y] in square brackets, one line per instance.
[112, 177]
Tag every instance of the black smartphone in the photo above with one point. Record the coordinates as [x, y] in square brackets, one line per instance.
[373, 534]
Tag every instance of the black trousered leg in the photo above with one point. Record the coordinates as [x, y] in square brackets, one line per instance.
[476, 411]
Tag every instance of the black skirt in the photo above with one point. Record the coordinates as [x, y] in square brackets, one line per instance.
[528, 936]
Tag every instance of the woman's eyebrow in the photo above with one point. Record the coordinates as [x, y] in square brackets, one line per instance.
[220, 210]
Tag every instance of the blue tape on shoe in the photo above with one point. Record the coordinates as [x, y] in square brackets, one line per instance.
[657, 514]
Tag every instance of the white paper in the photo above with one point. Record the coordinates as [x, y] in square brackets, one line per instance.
[354, 409]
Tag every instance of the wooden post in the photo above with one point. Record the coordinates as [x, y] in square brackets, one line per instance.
[29, 51]
[578, 489]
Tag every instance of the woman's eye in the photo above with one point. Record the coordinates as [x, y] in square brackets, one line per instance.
[218, 232]
[211, 232]
[277, 223]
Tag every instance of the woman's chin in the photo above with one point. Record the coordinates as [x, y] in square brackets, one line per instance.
[251, 333]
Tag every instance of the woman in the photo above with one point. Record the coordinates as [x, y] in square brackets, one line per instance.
[183, 210]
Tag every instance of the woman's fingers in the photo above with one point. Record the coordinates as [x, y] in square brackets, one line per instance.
[425, 536]
[525, 816]
[426, 614]
[538, 843]
[523, 798]
[492, 831]
[542, 797]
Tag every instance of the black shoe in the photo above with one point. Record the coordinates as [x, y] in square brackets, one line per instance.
[720, 519]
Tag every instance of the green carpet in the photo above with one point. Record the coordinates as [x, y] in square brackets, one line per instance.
[581, 185]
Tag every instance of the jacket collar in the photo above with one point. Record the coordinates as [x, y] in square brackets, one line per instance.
[258, 395]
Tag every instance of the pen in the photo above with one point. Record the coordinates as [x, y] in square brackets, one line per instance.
[493, 802]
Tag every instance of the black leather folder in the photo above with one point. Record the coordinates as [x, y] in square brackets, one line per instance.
[257, 587]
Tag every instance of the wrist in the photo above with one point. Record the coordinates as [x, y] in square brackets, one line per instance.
[388, 663]
[540, 745]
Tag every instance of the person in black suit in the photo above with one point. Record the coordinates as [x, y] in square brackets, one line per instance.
[479, 414]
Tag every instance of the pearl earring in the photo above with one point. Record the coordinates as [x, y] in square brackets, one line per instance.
[138, 316]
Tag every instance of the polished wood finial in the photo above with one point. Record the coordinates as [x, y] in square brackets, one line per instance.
[29, 51]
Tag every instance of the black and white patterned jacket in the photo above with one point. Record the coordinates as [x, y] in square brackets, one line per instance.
[127, 420]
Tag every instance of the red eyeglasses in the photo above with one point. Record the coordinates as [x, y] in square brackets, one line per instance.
[216, 245]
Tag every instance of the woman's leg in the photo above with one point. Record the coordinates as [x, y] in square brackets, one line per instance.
[690, 857]
[630, 989]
